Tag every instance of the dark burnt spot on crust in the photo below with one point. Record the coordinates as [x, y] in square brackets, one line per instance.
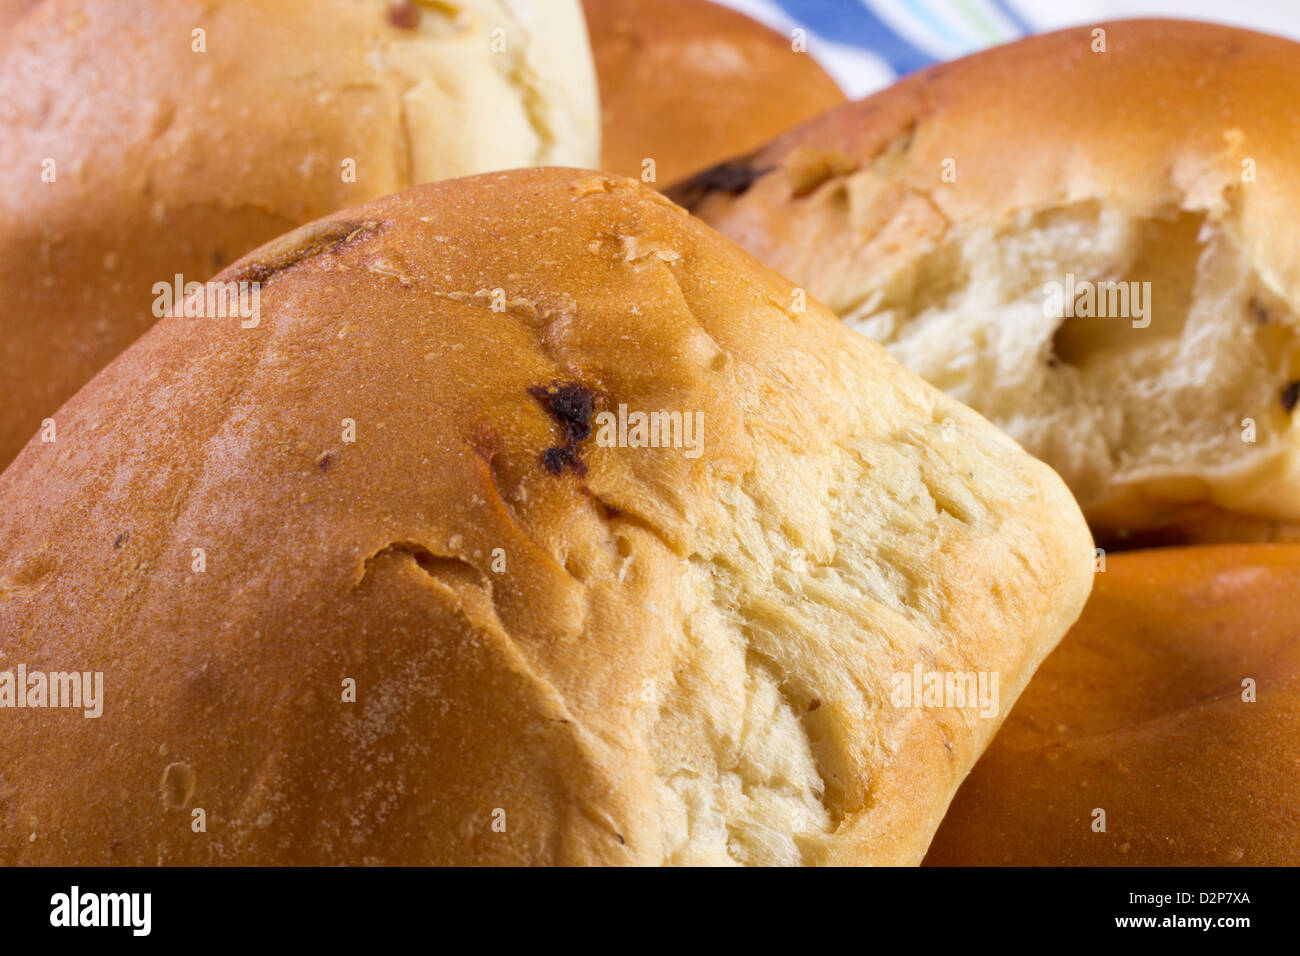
[556, 459]
[733, 177]
[403, 15]
[324, 462]
[121, 539]
[572, 406]
[813, 704]
[1258, 312]
[312, 240]
[1291, 396]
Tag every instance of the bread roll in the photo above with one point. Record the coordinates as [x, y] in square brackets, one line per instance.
[1143, 713]
[166, 160]
[689, 83]
[955, 215]
[571, 643]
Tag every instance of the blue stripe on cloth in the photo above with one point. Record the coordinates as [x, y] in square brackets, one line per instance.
[936, 24]
[1011, 13]
[855, 25]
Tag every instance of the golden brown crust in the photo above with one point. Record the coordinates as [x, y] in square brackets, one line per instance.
[689, 83]
[621, 654]
[1140, 713]
[1000, 112]
[169, 160]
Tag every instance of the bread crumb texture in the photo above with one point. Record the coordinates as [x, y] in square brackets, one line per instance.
[660, 657]
[951, 217]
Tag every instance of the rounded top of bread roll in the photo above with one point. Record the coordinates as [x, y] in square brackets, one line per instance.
[526, 520]
[953, 216]
[1172, 706]
[149, 139]
[689, 83]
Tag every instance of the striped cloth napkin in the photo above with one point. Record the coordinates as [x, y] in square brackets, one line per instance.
[867, 44]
